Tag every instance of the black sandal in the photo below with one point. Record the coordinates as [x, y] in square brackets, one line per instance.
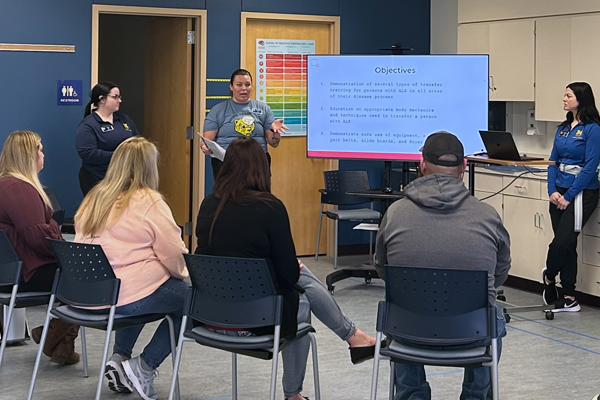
[361, 354]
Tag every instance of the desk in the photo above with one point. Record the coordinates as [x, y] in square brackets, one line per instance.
[473, 160]
[369, 273]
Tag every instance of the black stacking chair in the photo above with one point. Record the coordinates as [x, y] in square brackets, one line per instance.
[436, 307]
[337, 183]
[236, 293]
[86, 279]
[10, 276]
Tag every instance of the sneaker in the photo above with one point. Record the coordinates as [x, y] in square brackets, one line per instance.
[566, 305]
[596, 397]
[117, 380]
[143, 381]
[550, 293]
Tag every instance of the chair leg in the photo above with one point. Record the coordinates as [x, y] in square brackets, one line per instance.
[276, 337]
[494, 370]
[375, 376]
[109, 326]
[335, 244]
[371, 248]
[177, 358]
[392, 380]
[7, 320]
[319, 234]
[173, 350]
[313, 344]
[84, 352]
[234, 376]
[41, 346]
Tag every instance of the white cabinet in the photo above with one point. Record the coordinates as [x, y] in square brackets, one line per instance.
[552, 66]
[511, 46]
[528, 223]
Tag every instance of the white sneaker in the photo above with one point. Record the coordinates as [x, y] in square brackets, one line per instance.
[117, 380]
[596, 397]
[143, 381]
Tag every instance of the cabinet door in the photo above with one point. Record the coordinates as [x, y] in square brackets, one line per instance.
[528, 223]
[585, 52]
[512, 50]
[473, 39]
[552, 66]
[494, 201]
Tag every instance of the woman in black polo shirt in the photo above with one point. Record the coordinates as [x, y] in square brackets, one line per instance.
[102, 129]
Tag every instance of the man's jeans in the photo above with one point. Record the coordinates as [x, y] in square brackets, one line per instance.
[411, 381]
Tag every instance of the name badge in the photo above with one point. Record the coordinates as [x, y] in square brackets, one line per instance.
[107, 128]
[564, 133]
[257, 111]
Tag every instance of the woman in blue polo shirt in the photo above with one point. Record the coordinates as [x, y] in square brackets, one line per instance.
[102, 129]
[573, 190]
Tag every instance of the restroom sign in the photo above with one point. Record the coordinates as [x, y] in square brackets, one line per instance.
[69, 92]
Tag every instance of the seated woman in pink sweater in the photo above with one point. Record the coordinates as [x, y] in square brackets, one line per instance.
[127, 216]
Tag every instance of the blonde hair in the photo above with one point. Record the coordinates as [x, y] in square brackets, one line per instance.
[133, 167]
[19, 159]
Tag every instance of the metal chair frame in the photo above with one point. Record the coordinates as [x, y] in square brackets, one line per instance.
[434, 307]
[236, 293]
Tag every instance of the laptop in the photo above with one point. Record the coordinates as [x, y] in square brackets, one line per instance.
[501, 146]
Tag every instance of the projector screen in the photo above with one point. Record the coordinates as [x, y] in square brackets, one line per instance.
[383, 107]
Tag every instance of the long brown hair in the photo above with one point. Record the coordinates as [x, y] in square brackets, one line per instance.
[244, 176]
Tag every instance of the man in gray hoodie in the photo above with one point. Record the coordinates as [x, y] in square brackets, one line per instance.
[439, 224]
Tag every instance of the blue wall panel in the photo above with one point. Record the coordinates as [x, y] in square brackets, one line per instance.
[28, 80]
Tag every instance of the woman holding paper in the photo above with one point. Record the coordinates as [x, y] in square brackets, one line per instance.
[573, 190]
[241, 116]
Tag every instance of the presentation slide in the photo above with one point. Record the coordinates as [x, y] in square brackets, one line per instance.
[383, 107]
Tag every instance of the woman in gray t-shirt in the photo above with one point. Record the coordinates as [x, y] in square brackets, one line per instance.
[241, 116]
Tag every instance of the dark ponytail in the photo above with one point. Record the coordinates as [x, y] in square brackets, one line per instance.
[98, 91]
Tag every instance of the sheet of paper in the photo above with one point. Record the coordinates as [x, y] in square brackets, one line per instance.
[218, 151]
[365, 226]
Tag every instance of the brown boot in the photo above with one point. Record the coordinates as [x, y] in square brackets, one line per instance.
[57, 330]
[64, 352]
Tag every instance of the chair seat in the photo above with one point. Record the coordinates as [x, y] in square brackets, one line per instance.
[84, 317]
[443, 357]
[256, 346]
[26, 299]
[351, 215]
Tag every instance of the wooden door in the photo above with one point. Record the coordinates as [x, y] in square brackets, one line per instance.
[296, 180]
[167, 108]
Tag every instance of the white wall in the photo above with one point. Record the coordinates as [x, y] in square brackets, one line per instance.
[444, 26]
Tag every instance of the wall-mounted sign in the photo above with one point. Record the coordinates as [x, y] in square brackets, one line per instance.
[281, 79]
[69, 92]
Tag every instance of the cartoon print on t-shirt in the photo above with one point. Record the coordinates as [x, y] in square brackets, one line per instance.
[244, 125]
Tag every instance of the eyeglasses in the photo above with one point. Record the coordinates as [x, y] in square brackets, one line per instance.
[115, 96]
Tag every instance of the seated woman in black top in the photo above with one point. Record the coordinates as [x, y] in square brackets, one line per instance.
[241, 218]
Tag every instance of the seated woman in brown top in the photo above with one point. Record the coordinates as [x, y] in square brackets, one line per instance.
[26, 217]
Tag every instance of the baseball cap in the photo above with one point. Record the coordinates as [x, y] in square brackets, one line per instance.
[440, 144]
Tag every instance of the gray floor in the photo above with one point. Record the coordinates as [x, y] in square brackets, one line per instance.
[541, 359]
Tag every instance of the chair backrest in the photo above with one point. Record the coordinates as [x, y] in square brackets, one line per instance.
[434, 306]
[337, 183]
[232, 292]
[58, 213]
[10, 265]
[85, 277]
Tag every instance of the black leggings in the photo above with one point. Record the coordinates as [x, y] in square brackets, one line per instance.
[41, 281]
[562, 252]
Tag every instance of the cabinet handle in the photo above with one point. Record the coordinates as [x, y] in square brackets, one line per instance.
[518, 187]
[536, 220]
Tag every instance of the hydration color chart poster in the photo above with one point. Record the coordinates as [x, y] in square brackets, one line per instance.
[281, 79]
